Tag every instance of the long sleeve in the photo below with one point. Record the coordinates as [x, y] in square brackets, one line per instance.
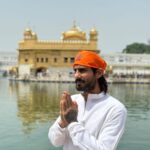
[101, 122]
[56, 134]
[108, 136]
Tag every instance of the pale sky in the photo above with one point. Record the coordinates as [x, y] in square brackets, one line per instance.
[119, 22]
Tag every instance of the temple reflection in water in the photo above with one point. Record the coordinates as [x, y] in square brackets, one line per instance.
[37, 103]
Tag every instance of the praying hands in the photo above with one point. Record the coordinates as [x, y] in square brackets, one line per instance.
[68, 110]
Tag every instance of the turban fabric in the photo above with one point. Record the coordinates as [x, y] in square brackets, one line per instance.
[90, 59]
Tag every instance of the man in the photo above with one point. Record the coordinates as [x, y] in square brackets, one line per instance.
[92, 120]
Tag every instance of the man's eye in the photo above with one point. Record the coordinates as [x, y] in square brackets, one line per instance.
[75, 70]
[81, 70]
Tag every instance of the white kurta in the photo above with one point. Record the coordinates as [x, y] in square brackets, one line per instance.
[101, 122]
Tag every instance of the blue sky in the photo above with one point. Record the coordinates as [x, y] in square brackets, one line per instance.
[119, 22]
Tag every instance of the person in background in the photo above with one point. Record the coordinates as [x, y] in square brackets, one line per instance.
[91, 120]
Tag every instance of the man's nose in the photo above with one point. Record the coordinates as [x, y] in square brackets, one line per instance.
[77, 74]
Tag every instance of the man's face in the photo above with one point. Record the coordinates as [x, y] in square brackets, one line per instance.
[84, 78]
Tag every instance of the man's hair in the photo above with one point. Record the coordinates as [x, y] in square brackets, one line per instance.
[102, 82]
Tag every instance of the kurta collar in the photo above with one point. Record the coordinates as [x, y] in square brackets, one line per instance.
[96, 96]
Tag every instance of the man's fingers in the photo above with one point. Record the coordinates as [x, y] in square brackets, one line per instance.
[63, 96]
[67, 98]
[69, 101]
[63, 102]
[64, 106]
[74, 105]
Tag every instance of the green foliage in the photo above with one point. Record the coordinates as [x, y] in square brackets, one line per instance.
[5, 74]
[139, 48]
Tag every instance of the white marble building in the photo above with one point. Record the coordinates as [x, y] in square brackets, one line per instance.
[135, 65]
[8, 60]
[128, 64]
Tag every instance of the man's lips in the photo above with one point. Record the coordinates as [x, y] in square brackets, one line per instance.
[78, 81]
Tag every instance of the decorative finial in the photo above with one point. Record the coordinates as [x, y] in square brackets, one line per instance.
[74, 24]
[29, 25]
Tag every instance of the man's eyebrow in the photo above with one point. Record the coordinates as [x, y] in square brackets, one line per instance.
[80, 69]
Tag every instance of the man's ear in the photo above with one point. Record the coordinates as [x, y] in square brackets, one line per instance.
[99, 73]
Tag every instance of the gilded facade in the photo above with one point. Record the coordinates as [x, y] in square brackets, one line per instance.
[36, 55]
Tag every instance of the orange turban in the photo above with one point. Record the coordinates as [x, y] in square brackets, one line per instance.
[90, 59]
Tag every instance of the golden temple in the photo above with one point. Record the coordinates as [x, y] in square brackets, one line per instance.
[36, 55]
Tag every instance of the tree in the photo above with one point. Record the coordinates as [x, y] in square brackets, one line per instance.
[139, 48]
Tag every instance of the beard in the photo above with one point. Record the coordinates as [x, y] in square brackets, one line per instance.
[85, 85]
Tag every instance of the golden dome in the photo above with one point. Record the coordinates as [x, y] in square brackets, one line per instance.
[28, 32]
[34, 36]
[93, 31]
[74, 34]
[93, 34]
[29, 35]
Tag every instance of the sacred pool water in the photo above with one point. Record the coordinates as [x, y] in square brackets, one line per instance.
[28, 109]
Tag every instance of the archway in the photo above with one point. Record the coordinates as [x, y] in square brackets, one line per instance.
[41, 71]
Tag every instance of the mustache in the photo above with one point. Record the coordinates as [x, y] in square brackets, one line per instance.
[79, 80]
